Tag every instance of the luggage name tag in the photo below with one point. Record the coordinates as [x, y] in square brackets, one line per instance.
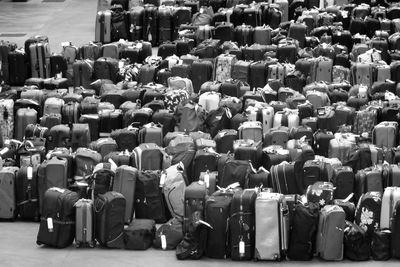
[29, 173]
[207, 180]
[50, 224]
[59, 75]
[163, 241]
[162, 179]
[241, 248]
[64, 44]
[121, 64]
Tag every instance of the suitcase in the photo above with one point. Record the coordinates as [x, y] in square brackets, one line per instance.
[233, 171]
[109, 121]
[330, 233]
[303, 232]
[103, 26]
[127, 138]
[40, 60]
[385, 134]
[7, 119]
[80, 135]
[53, 105]
[51, 173]
[139, 235]
[57, 223]
[109, 217]
[18, 68]
[149, 203]
[85, 161]
[84, 227]
[146, 151]
[390, 197]
[70, 113]
[168, 235]
[204, 160]
[194, 199]
[90, 51]
[368, 211]
[284, 179]
[151, 133]
[125, 183]
[368, 180]
[242, 225]
[104, 146]
[273, 245]
[217, 211]
[150, 21]
[24, 117]
[257, 75]
[248, 149]
[343, 180]
[8, 203]
[82, 73]
[27, 193]
[58, 66]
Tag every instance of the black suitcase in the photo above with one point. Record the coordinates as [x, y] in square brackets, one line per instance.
[202, 71]
[17, 66]
[283, 178]
[244, 35]
[150, 24]
[258, 74]
[110, 215]
[58, 64]
[233, 171]
[395, 248]
[165, 24]
[27, 194]
[108, 121]
[149, 202]
[224, 31]
[93, 121]
[80, 135]
[248, 150]
[259, 178]
[217, 211]
[167, 49]
[140, 234]
[273, 155]
[57, 224]
[166, 119]
[205, 159]
[242, 225]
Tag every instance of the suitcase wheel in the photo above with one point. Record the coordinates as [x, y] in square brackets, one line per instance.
[39, 243]
[77, 244]
[92, 244]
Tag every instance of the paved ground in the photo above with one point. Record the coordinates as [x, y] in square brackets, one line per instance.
[73, 20]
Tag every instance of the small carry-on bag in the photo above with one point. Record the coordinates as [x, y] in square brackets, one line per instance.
[84, 227]
[272, 226]
[57, 222]
[140, 234]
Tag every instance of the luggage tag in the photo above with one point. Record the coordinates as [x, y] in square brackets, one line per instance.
[29, 173]
[241, 248]
[163, 241]
[163, 178]
[207, 180]
[50, 224]
[65, 44]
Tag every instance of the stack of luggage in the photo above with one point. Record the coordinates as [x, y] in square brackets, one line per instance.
[264, 131]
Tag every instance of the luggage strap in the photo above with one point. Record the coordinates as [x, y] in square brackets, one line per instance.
[27, 201]
[58, 221]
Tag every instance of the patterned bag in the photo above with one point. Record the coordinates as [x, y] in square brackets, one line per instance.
[364, 121]
[7, 118]
[368, 211]
[340, 74]
[224, 66]
[174, 97]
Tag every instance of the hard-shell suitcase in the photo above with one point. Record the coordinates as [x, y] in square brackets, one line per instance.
[109, 217]
[57, 222]
[40, 60]
[330, 233]
[23, 117]
[82, 73]
[84, 226]
[8, 203]
[284, 179]
[125, 183]
[272, 232]
[390, 197]
[103, 27]
[242, 225]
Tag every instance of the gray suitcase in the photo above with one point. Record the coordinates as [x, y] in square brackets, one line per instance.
[84, 226]
[272, 226]
[8, 205]
[125, 183]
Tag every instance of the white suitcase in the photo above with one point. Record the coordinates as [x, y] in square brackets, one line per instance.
[389, 199]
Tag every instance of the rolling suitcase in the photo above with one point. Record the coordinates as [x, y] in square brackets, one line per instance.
[194, 199]
[57, 222]
[7, 119]
[150, 21]
[24, 117]
[27, 193]
[125, 183]
[51, 173]
[149, 203]
[242, 225]
[103, 27]
[8, 203]
[82, 73]
[330, 233]
[84, 226]
[284, 178]
[109, 217]
[272, 232]
[40, 60]
[18, 68]
[390, 197]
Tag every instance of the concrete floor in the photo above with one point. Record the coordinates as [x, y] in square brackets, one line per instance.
[73, 20]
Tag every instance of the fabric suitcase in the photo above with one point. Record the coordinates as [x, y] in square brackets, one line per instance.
[125, 183]
[8, 204]
[242, 224]
[139, 234]
[109, 217]
[172, 232]
[27, 193]
[194, 199]
[18, 68]
[330, 233]
[57, 223]
[284, 178]
[202, 71]
[84, 227]
[247, 149]
[149, 203]
[368, 211]
[173, 182]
